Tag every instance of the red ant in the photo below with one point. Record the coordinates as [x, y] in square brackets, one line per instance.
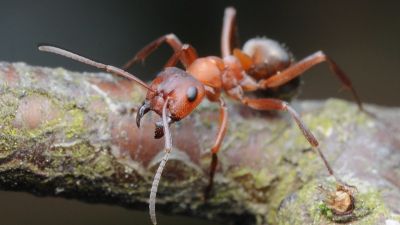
[263, 64]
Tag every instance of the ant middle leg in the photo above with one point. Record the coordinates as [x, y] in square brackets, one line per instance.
[223, 121]
[305, 64]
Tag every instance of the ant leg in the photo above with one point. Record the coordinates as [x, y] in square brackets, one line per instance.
[305, 64]
[186, 55]
[276, 104]
[223, 121]
[157, 177]
[244, 59]
[229, 32]
[170, 39]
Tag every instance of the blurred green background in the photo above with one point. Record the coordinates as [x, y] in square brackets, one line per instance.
[362, 36]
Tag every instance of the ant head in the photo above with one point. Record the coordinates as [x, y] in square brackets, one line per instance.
[181, 90]
[268, 57]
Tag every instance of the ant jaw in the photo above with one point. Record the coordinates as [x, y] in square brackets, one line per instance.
[145, 108]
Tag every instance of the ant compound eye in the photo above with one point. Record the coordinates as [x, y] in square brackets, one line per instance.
[191, 94]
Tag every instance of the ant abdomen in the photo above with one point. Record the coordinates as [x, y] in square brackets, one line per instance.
[268, 56]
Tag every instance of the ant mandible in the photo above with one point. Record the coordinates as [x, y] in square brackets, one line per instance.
[263, 64]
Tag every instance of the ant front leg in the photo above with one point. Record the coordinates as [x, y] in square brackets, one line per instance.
[229, 32]
[300, 67]
[276, 104]
[171, 39]
[223, 121]
[186, 54]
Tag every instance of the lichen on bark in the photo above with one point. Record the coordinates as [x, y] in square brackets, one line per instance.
[73, 135]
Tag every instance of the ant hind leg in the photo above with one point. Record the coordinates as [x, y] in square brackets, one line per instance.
[305, 64]
[276, 104]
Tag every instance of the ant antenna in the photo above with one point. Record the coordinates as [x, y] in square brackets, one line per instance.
[157, 177]
[108, 68]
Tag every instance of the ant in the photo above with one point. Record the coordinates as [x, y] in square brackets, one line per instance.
[263, 64]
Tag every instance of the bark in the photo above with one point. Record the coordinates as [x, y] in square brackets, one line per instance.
[73, 135]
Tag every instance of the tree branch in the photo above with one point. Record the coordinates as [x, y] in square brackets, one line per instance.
[73, 135]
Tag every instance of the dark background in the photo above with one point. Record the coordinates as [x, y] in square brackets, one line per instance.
[362, 36]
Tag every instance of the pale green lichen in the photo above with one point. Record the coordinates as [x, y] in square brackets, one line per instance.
[70, 119]
[75, 126]
[101, 166]
[334, 117]
[396, 217]
[76, 153]
[286, 184]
